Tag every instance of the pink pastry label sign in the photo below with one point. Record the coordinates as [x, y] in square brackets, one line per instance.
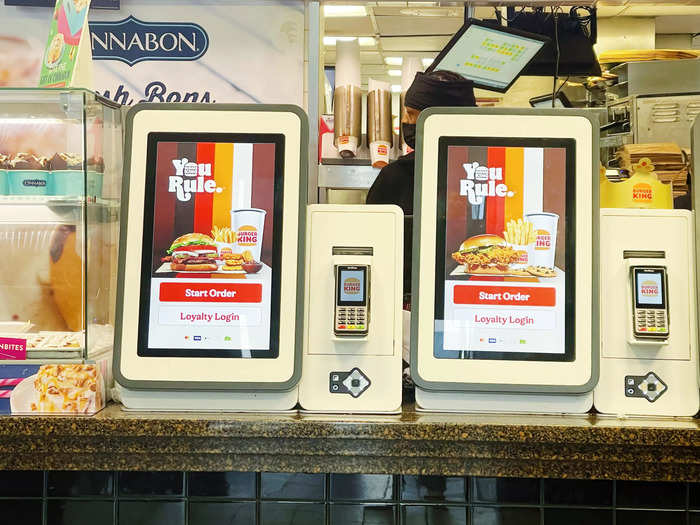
[12, 348]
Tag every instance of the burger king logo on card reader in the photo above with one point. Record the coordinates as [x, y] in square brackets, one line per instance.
[190, 178]
[351, 286]
[482, 182]
[650, 289]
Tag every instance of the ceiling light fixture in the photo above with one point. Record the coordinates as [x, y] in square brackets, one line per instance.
[396, 88]
[336, 11]
[365, 41]
[427, 61]
[393, 61]
[394, 72]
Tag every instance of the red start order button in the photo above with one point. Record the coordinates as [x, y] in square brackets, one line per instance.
[500, 295]
[211, 292]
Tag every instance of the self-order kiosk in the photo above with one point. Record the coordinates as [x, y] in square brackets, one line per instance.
[210, 291]
[505, 268]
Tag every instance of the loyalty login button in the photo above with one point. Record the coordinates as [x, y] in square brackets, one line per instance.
[211, 292]
[502, 295]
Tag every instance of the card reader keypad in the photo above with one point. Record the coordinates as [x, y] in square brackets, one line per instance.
[354, 382]
[651, 321]
[351, 319]
[649, 386]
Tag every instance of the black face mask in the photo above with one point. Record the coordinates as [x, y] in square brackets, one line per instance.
[409, 134]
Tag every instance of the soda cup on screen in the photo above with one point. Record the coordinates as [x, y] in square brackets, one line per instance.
[249, 223]
[542, 251]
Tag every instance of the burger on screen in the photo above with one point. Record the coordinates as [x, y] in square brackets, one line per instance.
[192, 252]
[486, 254]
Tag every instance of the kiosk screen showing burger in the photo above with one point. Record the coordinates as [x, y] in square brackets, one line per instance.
[505, 249]
[211, 246]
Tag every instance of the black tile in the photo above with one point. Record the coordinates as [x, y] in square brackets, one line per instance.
[292, 513]
[21, 483]
[645, 517]
[222, 513]
[649, 495]
[151, 483]
[77, 512]
[363, 514]
[239, 485]
[433, 515]
[694, 518]
[24, 511]
[578, 516]
[506, 490]
[694, 495]
[362, 487]
[78, 484]
[505, 516]
[594, 493]
[432, 488]
[157, 512]
[277, 485]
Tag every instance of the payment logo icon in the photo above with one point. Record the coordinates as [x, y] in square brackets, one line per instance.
[492, 340]
[197, 338]
[227, 338]
[523, 341]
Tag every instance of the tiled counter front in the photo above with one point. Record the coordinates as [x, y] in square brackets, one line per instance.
[274, 498]
[412, 443]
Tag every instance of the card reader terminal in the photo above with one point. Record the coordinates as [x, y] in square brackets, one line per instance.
[352, 300]
[650, 318]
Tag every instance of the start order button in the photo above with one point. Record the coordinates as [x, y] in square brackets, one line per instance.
[211, 292]
[502, 295]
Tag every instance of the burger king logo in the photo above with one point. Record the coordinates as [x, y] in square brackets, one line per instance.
[247, 236]
[351, 286]
[543, 240]
[642, 192]
[650, 289]
[382, 150]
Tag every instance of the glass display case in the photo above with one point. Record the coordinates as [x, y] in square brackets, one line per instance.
[60, 191]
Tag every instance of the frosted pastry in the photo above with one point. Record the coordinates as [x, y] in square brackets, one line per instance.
[68, 388]
[55, 49]
[27, 161]
[66, 161]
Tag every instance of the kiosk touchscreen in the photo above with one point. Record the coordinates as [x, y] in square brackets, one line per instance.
[504, 260]
[211, 248]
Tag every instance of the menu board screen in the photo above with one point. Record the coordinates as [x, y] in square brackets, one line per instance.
[211, 246]
[505, 249]
[492, 58]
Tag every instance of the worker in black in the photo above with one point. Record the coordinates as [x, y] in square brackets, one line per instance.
[394, 184]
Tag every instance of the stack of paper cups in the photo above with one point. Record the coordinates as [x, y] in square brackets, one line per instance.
[379, 133]
[347, 100]
[409, 68]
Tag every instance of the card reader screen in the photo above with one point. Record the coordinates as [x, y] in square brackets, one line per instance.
[505, 272]
[352, 286]
[210, 282]
[649, 287]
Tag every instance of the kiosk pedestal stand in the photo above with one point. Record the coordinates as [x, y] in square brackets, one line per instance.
[352, 329]
[211, 248]
[648, 320]
[505, 258]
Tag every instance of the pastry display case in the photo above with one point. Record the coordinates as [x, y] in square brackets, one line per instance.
[60, 190]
